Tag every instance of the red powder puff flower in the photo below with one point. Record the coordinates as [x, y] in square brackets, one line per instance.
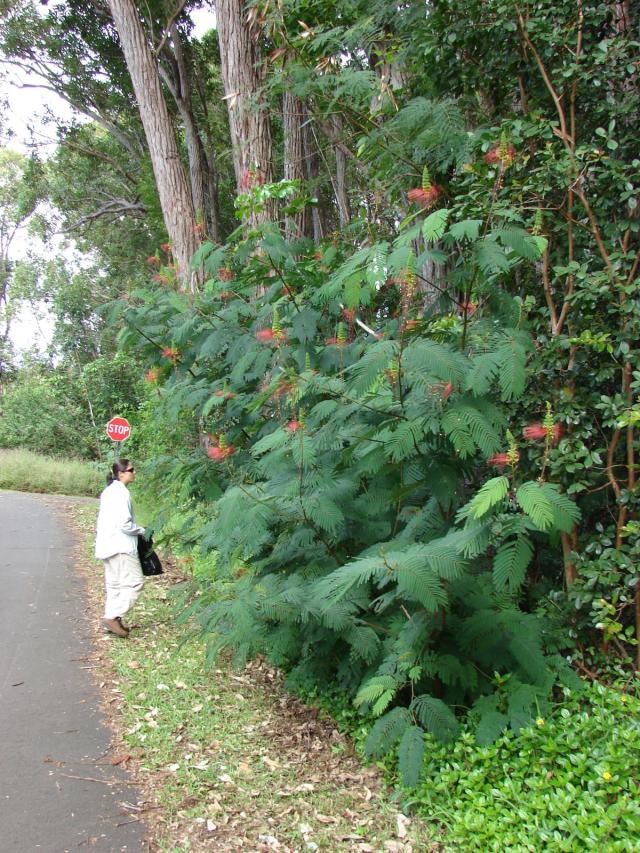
[446, 390]
[251, 178]
[226, 274]
[152, 375]
[166, 247]
[534, 432]
[424, 197]
[169, 352]
[469, 308]
[293, 426]
[282, 389]
[538, 432]
[153, 261]
[503, 154]
[498, 460]
[265, 336]
[218, 453]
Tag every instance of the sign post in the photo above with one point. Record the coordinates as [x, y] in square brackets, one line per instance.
[118, 430]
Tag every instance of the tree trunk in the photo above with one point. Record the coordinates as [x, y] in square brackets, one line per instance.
[293, 115]
[213, 206]
[248, 123]
[177, 80]
[173, 188]
[312, 167]
[342, 196]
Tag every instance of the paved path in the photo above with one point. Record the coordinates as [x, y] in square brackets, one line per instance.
[50, 727]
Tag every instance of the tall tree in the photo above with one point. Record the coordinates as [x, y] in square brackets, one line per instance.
[21, 184]
[242, 77]
[171, 181]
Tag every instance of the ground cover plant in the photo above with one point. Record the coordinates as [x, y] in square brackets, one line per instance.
[569, 782]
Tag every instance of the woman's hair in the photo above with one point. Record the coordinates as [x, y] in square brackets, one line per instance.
[118, 467]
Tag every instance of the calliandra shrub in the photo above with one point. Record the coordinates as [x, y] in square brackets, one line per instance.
[371, 546]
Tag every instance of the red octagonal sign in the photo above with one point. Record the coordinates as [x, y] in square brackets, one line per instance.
[118, 429]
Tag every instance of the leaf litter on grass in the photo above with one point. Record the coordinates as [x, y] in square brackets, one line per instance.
[229, 760]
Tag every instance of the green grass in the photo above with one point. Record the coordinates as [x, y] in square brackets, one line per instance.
[24, 471]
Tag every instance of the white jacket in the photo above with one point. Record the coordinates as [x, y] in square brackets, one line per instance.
[117, 531]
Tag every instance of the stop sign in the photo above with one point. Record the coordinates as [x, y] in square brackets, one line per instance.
[118, 429]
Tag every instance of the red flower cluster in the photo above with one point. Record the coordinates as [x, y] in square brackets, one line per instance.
[267, 336]
[537, 432]
[169, 352]
[505, 155]
[426, 198]
[251, 178]
[218, 453]
[282, 390]
[226, 274]
[293, 426]
[152, 375]
[498, 460]
[153, 261]
[442, 389]
[166, 247]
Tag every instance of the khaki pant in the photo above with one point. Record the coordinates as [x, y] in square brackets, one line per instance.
[123, 580]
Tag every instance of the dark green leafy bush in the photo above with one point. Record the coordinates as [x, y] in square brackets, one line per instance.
[359, 534]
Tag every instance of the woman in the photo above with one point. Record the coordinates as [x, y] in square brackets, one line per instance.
[117, 545]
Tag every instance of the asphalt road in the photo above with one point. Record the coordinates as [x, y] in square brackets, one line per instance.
[58, 790]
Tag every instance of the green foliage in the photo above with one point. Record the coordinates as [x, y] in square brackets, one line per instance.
[63, 412]
[341, 481]
[329, 416]
[564, 783]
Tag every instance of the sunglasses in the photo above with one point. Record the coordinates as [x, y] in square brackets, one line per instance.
[129, 470]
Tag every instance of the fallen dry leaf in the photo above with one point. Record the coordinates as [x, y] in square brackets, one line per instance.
[402, 822]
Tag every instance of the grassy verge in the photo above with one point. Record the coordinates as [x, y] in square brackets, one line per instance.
[24, 471]
[229, 760]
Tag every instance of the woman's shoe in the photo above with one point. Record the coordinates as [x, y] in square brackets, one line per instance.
[115, 627]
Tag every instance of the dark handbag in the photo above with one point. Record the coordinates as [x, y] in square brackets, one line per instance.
[149, 560]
